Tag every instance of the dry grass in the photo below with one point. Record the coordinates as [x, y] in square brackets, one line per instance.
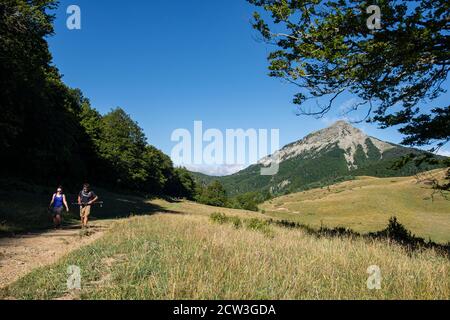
[187, 256]
[365, 205]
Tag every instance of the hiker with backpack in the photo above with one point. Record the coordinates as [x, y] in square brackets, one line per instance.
[86, 198]
[57, 205]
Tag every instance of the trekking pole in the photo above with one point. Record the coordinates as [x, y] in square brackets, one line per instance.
[100, 203]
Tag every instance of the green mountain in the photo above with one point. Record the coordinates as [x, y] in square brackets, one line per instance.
[337, 153]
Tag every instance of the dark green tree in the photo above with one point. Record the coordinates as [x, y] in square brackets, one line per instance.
[50, 134]
[25, 68]
[214, 195]
[247, 201]
[159, 169]
[41, 138]
[182, 184]
[187, 183]
[98, 168]
[91, 120]
[123, 145]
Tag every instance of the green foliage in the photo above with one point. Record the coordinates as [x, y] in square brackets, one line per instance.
[256, 224]
[181, 184]
[237, 223]
[50, 134]
[395, 230]
[253, 224]
[250, 200]
[214, 195]
[134, 164]
[159, 169]
[218, 217]
[246, 201]
[123, 147]
[25, 70]
[248, 188]
[325, 48]
[40, 134]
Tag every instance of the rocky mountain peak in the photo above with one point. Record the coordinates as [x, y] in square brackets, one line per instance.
[341, 134]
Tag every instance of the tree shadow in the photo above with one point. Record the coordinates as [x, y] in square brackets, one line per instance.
[394, 232]
[115, 208]
[23, 212]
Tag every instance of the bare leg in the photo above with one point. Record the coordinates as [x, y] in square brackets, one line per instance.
[87, 211]
[82, 217]
[85, 221]
[57, 221]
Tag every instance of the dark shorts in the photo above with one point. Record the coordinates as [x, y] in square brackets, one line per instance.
[57, 211]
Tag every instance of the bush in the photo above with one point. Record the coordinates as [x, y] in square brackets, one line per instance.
[237, 223]
[247, 201]
[214, 195]
[256, 224]
[251, 224]
[218, 217]
[397, 232]
[260, 225]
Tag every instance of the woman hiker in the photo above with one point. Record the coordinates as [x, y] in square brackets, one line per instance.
[57, 205]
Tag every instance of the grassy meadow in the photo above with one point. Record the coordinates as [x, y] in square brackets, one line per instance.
[365, 204]
[160, 249]
[185, 254]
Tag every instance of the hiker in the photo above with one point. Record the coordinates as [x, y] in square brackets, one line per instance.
[86, 198]
[57, 205]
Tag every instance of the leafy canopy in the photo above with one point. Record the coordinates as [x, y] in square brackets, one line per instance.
[325, 48]
[50, 134]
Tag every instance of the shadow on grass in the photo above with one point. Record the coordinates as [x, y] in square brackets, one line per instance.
[23, 212]
[119, 207]
[394, 232]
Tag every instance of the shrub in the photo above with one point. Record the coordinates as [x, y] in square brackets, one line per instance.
[218, 217]
[256, 224]
[260, 225]
[251, 224]
[214, 195]
[397, 232]
[237, 223]
[248, 201]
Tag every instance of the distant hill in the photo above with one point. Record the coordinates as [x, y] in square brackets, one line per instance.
[334, 154]
[204, 178]
[365, 203]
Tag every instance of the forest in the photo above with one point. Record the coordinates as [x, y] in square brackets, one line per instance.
[50, 134]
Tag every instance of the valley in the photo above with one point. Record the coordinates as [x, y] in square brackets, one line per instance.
[338, 153]
[366, 203]
[182, 252]
[104, 123]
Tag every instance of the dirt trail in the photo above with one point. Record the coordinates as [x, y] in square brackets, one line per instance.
[21, 254]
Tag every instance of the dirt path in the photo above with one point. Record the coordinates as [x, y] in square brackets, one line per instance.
[21, 254]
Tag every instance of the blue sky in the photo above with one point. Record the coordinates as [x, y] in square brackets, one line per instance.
[170, 63]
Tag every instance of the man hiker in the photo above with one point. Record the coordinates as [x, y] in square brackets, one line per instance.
[86, 198]
[57, 205]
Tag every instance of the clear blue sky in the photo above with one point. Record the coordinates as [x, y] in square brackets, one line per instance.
[169, 63]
